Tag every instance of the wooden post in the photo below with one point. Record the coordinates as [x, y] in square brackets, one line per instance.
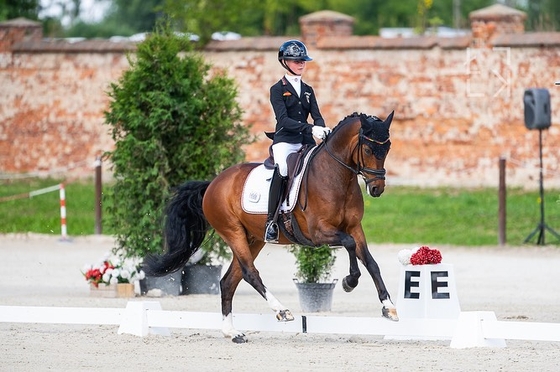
[98, 193]
[502, 203]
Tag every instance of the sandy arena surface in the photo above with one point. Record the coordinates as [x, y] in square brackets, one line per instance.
[517, 283]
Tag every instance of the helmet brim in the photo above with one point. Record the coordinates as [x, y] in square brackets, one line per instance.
[306, 59]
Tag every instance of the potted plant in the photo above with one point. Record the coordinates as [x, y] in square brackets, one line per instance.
[202, 273]
[314, 265]
[113, 276]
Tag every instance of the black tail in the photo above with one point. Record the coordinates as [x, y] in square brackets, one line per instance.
[185, 229]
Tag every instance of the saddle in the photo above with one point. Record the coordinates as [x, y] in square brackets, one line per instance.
[294, 161]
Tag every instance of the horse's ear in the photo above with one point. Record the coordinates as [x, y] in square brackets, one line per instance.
[389, 119]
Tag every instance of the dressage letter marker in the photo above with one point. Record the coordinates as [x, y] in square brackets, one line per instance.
[428, 291]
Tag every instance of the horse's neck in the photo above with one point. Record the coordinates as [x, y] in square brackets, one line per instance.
[327, 169]
[342, 139]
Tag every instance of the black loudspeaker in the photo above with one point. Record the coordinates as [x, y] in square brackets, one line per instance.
[537, 108]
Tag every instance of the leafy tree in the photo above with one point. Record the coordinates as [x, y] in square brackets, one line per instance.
[543, 15]
[281, 17]
[10, 9]
[124, 18]
[204, 17]
[171, 122]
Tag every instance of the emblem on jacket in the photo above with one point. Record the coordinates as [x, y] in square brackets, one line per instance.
[307, 95]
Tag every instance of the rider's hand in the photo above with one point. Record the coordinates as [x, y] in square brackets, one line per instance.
[320, 132]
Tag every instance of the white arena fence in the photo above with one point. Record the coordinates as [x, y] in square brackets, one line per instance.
[141, 318]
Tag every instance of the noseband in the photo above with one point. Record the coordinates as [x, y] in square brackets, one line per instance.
[378, 174]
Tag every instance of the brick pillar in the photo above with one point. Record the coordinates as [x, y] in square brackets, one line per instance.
[494, 20]
[17, 30]
[324, 23]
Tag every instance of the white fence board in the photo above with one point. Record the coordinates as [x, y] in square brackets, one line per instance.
[473, 329]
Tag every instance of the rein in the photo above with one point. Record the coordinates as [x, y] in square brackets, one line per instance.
[379, 174]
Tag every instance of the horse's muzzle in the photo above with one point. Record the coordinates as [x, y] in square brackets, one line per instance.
[375, 190]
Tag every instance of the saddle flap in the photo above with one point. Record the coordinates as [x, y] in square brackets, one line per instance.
[254, 198]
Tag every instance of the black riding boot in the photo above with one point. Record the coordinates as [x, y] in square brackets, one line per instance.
[277, 185]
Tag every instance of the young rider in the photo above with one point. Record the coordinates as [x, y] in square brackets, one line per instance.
[292, 101]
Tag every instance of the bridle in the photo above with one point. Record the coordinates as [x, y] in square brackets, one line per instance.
[378, 174]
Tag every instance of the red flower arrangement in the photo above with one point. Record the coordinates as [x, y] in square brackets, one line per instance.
[112, 270]
[419, 256]
[95, 274]
[425, 256]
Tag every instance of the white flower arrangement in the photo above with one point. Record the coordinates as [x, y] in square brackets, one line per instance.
[113, 269]
[405, 254]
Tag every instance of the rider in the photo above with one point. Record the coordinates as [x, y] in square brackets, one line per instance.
[292, 101]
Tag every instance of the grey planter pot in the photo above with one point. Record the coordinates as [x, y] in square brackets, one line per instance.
[169, 285]
[315, 297]
[201, 279]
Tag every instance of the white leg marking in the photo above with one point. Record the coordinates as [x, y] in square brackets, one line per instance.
[227, 326]
[273, 303]
[388, 304]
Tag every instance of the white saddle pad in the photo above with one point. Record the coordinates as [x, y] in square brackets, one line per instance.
[254, 198]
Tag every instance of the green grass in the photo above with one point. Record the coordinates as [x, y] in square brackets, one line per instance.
[41, 214]
[456, 216]
[400, 215]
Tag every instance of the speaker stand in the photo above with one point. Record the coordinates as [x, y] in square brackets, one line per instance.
[542, 226]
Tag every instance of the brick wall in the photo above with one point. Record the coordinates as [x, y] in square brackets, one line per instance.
[458, 104]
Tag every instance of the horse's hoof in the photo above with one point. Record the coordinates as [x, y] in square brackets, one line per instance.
[347, 287]
[284, 316]
[390, 314]
[240, 339]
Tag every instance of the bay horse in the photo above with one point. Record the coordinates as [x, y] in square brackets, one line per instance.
[331, 208]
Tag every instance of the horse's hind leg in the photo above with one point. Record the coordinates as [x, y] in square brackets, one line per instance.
[242, 267]
[228, 285]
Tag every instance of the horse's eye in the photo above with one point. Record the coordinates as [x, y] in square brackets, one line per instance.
[368, 151]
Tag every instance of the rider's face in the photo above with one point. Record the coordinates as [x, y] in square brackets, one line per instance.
[296, 66]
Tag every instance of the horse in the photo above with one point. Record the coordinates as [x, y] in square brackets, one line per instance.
[331, 208]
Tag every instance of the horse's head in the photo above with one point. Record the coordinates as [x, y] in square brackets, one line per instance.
[373, 146]
[360, 143]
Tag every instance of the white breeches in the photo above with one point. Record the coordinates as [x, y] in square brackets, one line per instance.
[280, 151]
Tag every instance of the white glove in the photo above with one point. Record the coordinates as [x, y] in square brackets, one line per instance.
[320, 132]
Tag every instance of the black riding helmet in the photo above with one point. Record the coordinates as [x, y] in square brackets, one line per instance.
[293, 50]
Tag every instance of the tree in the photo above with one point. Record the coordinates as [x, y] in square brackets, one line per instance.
[171, 122]
[543, 15]
[124, 18]
[204, 17]
[10, 9]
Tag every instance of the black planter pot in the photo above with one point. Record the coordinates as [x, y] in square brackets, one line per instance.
[315, 297]
[169, 284]
[201, 279]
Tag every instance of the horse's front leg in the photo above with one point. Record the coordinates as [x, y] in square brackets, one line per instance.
[351, 280]
[389, 310]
